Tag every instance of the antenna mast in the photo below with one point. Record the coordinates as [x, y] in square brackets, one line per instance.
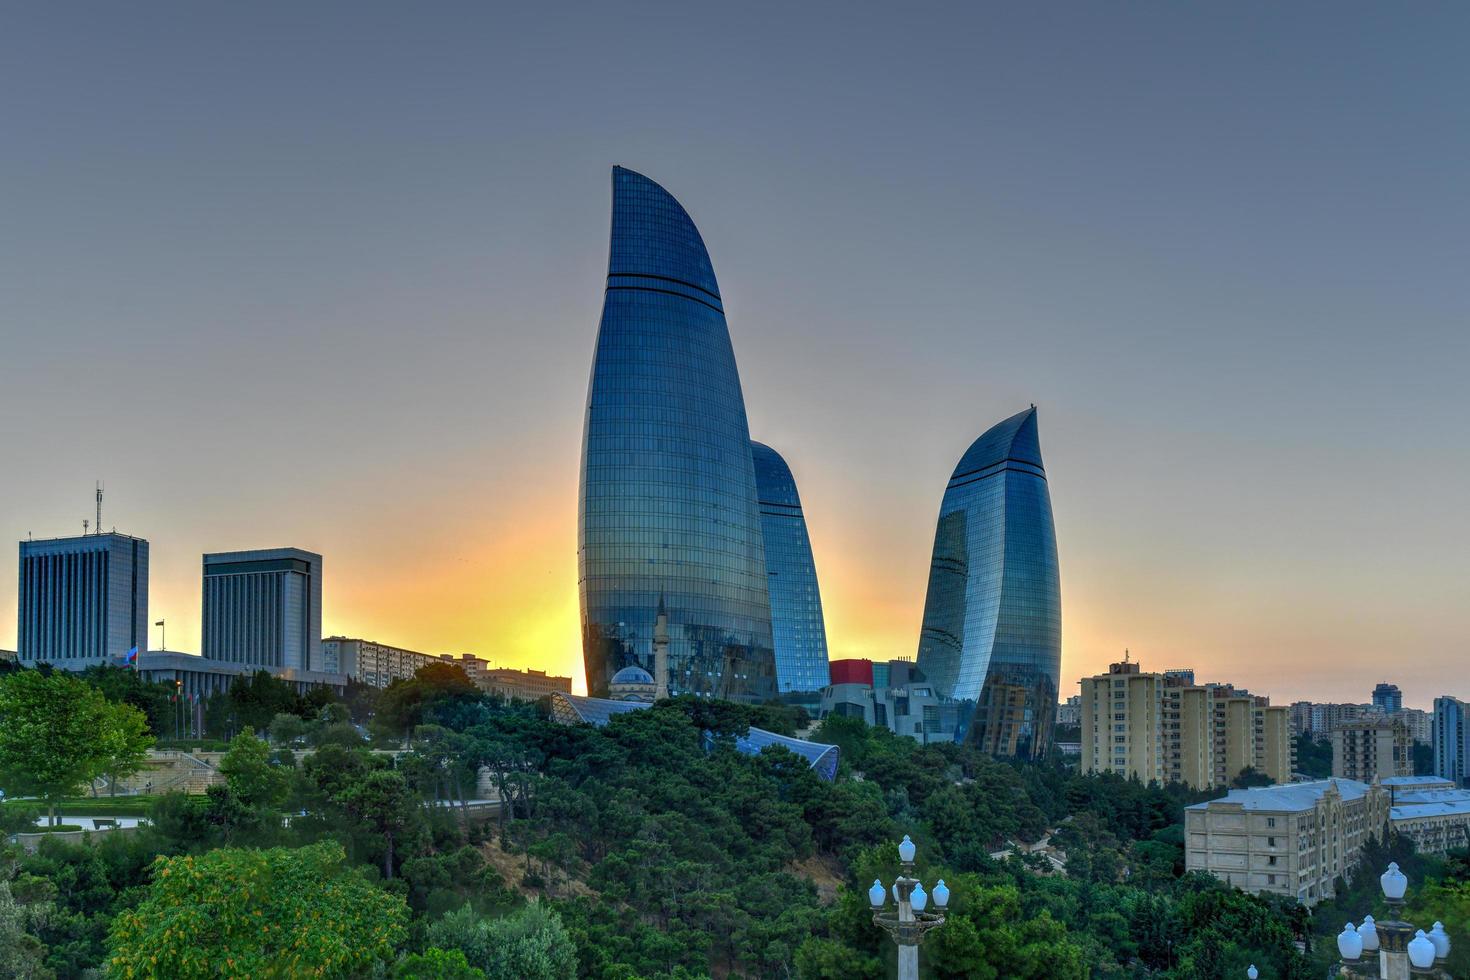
[99, 508]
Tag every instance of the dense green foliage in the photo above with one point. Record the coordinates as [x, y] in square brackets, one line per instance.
[251, 913]
[647, 849]
[58, 733]
[1313, 757]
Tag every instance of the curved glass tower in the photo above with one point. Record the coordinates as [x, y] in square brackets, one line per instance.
[667, 514]
[992, 631]
[796, 602]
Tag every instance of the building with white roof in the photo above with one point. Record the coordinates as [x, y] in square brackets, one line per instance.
[1293, 839]
[1296, 839]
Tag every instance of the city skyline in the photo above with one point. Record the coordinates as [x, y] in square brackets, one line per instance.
[1233, 290]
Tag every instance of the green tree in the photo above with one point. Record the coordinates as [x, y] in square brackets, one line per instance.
[1448, 902]
[436, 964]
[252, 913]
[124, 684]
[131, 741]
[58, 733]
[22, 955]
[287, 728]
[528, 943]
[383, 804]
[250, 775]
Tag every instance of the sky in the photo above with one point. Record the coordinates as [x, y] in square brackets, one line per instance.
[329, 276]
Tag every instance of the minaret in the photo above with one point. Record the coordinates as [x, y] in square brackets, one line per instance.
[661, 652]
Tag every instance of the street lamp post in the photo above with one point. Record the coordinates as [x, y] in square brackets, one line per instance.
[1403, 951]
[909, 922]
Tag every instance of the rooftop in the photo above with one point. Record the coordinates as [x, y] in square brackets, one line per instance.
[1287, 797]
[1413, 811]
[89, 537]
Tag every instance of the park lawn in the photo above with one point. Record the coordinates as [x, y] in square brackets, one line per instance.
[108, 806]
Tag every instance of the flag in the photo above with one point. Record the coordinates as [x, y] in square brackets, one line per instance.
[132, 656]
[159, 623]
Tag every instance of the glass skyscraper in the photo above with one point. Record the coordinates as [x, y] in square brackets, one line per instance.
[667, 510]
[796, 602]
[992, 632]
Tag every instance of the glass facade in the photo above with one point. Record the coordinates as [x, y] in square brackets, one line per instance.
[667, 510]
[796, 602]
[992, 633]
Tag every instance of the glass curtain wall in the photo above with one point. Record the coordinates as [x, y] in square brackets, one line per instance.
[667, 505]
[796, 602]
[992, 632]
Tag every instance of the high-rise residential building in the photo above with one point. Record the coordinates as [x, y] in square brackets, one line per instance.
[82, 601]
[1319, 719]
[1301, 717]
[897, 697]
[1419, 722]
[1451, 739]
[992, 630]
[1294, 840]
[668, 514]
[1371, 748]
[797, 628]
[1387, 698]
[370, 662]
[264, 608]
[1155, 727]
[1123, 723]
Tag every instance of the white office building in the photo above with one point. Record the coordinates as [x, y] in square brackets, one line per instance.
[82, 601]
[263, 608]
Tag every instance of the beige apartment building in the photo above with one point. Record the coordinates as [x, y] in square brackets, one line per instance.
[524, 685]
[369, 662]
[1163, 727]
[1122, 719]
[1369, 748]
[1293, 840]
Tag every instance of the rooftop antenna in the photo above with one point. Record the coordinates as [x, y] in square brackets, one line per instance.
[85, 522]
[99, 509]
[1125, 655]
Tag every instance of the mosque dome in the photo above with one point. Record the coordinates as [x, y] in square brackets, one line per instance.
[632, 683]
[632, 675]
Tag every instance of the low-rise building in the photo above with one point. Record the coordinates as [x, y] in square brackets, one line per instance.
[1294, 839]
[196, 678]
[1437, 826]
[523, 685]
[474, 668]
[1372, 748]
[1069, 713]
[895, 695]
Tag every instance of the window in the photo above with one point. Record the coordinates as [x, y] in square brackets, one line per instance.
[1270, 842]
[1270, 821]
[1271, 860]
